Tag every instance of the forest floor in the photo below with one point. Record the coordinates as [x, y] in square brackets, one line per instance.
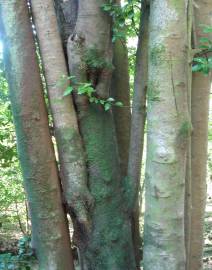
[10, 235]
[207, 259]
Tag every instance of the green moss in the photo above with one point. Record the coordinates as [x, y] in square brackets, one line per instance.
[69, 142]
[177, 5]
[156, 54]
[185, 129]
[152, 93]
[109, 245]
[94, 59]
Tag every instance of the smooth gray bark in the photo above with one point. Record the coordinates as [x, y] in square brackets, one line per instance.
[167, 135]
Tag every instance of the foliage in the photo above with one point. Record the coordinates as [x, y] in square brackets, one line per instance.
[125, 18]
[22, 261]
[88, 90]
[11, 180]
[203, 62]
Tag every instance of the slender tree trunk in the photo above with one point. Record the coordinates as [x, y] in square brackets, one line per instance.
[121, 92]
[50, 232]
[199, 141]
[138, 123]
[109, 245]
[71, 152]
[187, 205]
[168, 131]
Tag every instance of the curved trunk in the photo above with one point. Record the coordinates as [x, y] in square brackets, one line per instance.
[36, 154]
[109, 244]
[199, 140]
[71, 153]
[167, 135]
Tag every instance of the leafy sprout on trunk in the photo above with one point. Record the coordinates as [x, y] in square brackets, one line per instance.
[88, 90]
[202, 61]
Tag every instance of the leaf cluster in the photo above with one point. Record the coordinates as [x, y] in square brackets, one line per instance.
[203, 62]
[125, 18]
[22, 261]
[88, 90]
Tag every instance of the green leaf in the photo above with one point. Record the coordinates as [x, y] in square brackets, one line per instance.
[119, 104]
[114, 39]
[102, 101]
[107, 106]
[201, 60]
[110, 99]
[92, 99]
[205, 47]
[107, 7]
[204, 40]
[196, 68]
[207, 29]
[68, 91]
[210, 63]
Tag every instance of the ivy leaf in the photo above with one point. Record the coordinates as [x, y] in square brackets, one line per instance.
[68, 91]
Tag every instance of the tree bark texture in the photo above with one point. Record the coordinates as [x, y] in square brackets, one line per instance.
[168, 131]
[69, 143]
[109, 243]
[49, 226]
[66, 11]
[200, 108]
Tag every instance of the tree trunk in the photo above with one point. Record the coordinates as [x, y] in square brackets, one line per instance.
[66, 11]
[71, 152]
[199, 140]
[121, 91]
[35, 149]
[109, 244]
[138, 123]
[168, 131]
[187, 205]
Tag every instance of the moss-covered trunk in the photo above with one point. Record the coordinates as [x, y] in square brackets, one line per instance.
[168, 130]
[36, 154]
[109, 243]
[199, 115]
